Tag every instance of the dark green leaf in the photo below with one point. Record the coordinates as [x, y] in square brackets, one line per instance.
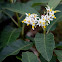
[53, 3]
[29, 57]
[59, 54]
[19, 8]
[40, 1]
[45, 45]
[53, 27]
[52, 60]
[9, 35]
[13, 48]
[18, 57]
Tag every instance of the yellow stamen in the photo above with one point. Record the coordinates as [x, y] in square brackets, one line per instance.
[27, 24]
[55, 11]
[33, 23]
[32, 27]
[43, 23]
[34, 16]
[43, 19]
[40, 22]
[44, 26]
[29, 14]
[48, 18]
[54, 17]
[50, 9]
[29, 21]
[22, 21]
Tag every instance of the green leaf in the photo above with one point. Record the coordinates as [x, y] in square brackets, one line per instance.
[59, 54]
[52, 60]
[9, 35]
[59, 7]
[58, 18]
[40, 1]
[1, 1]
[53, 3]
[18, 57]
[59, 45]
[39, 4]
[45, 45]
[13, 48]
[19, 8]
[29, 57]
[53, 27]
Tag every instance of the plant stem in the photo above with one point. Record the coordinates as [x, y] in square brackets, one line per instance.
[23, 30]
[11, 18]
[21, 16]
[44, 30]
[18, 19]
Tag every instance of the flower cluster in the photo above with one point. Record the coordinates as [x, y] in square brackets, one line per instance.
[34, 20]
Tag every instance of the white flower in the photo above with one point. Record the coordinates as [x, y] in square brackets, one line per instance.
[31, 19]
[50, 12]
[48, 18]
[42, 23]
[43, 17]
[48, 9]
[34, 20]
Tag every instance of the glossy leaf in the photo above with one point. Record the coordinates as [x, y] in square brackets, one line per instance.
[45, 45]
[53, 3]
[52, 60]
[59, 54]
[29, 57]
[19, 8]
[40, 1]
[9, 35]
[13, 48]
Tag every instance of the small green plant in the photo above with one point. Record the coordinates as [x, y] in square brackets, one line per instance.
[41, 14]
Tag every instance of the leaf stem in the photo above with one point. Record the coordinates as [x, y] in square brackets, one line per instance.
[18, 19]
[11, 18]
[21, 16]
[44, 31]
[23, 29]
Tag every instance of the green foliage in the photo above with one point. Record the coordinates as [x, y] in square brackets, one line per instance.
[52, 60]
[13, 48]
[40, 1]
[8, 35]
[45, 45]
[53, 3]
[40, 47]
[29, 57]
[19, 8]
[59, 54]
